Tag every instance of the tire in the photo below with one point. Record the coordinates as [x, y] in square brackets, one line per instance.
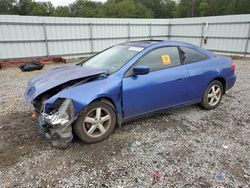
[212, 95]
[96, 123]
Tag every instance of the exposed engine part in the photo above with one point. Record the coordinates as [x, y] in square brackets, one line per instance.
[59, 128]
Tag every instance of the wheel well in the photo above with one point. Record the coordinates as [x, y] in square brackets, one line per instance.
[223, 82]
[111, 103]
[107, 101]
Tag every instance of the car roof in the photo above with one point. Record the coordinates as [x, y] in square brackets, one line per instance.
[147, 43]
[141, 43]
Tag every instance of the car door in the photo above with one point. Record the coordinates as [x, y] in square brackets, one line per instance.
[164, 86]
[199, 67]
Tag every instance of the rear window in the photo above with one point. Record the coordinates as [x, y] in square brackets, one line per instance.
[192, 56]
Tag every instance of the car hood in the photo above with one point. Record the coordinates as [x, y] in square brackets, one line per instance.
[57, 76]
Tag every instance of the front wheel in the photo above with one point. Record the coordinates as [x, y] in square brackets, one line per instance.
[212, 95]
[96, 123]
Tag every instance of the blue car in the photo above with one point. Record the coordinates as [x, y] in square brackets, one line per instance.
[125, 81]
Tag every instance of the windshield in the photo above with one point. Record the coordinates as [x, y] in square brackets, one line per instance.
[113, 58]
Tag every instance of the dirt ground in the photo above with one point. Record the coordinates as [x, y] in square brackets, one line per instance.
[185, 147]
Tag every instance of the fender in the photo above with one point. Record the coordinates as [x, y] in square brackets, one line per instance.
[82, 95]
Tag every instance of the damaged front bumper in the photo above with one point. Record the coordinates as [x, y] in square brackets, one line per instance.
[57, 125]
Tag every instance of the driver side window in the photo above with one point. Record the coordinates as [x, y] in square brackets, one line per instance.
[161, 58]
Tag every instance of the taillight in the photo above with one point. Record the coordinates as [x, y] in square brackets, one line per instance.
[233, 67]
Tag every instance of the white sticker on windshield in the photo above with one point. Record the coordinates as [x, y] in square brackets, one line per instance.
[137, 49]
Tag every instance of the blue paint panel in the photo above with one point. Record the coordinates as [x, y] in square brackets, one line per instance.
[200, 75]
[84, 94]
[55, 77]
[154, 91]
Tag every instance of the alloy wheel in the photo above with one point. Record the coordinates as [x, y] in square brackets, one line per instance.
[97, 122]
[214, 95]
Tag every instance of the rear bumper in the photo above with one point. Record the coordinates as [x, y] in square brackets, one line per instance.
[230, 82]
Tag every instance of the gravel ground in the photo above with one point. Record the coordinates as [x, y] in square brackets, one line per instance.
[185, 147]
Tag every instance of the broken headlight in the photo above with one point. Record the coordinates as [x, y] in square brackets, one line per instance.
[64, 115]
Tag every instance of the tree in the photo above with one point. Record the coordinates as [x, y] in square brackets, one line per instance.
[62, 11]
[30, 7]
[7, 6]
[126, 9]
[242, 8]
[188, 8]
[86, 8]
[160, 8]
[217, 7]
[25, 7]
[204, 8]
[42, 9]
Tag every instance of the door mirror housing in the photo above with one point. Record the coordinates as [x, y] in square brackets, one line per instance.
[141, 70]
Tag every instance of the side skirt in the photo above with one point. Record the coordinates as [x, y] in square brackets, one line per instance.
[126, 119]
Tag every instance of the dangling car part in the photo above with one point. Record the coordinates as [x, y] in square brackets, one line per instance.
[59, 122]
[123, 82]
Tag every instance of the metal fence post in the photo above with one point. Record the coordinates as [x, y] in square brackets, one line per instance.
[169, 31]
[150, 31]
[91, 38]
[202, 33]
[129, 35]
[46, 38]
[247, 39]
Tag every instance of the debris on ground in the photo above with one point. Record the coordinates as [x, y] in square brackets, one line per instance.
[225, 146]
[31, 66]
[219, 177]
[157, 176]
[18, 62]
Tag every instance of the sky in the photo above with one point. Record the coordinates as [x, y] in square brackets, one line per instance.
[64, 2]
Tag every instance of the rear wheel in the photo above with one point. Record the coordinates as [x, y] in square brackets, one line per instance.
[212, 95]
[96, 123]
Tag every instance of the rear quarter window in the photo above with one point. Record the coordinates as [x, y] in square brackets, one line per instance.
[192, 56]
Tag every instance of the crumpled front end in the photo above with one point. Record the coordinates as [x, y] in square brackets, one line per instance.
[58, 104]
[56, 118]
[57, 124]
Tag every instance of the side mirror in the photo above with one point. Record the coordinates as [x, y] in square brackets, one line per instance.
[141, 69]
